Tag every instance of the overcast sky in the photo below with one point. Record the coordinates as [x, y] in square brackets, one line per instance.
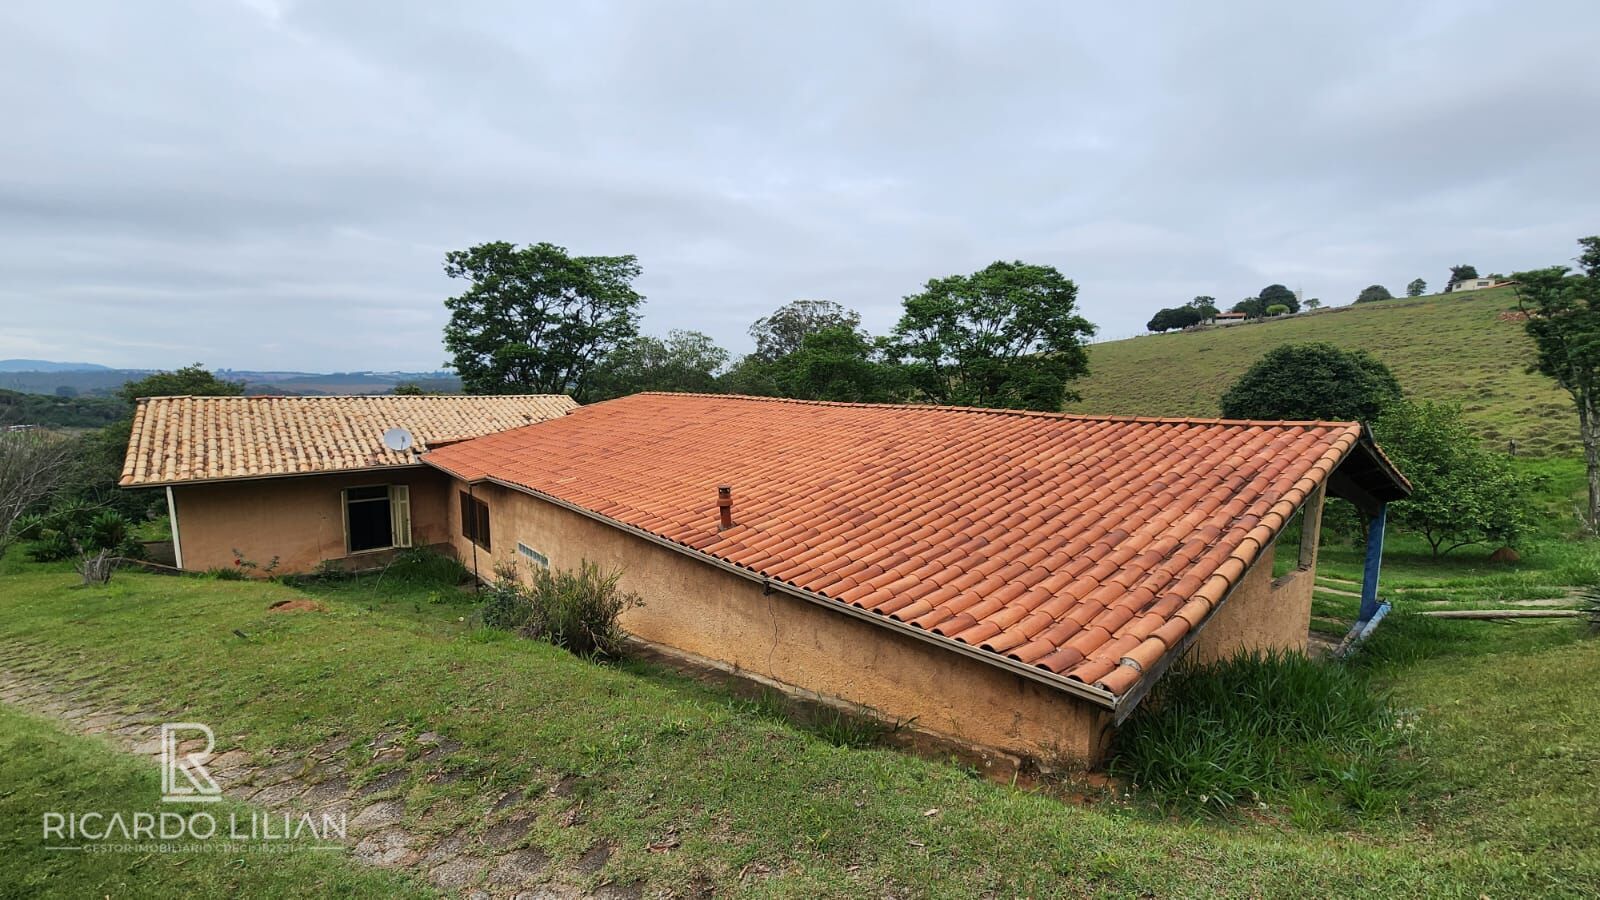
[273, 185]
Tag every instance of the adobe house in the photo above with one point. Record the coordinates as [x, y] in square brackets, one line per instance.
[1008, 580]
[308, 479]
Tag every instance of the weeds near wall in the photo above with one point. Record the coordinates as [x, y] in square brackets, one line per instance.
[1266, 731]
[575, 610]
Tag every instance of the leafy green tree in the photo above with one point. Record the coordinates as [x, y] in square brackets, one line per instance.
[1207, 306]
[1416, 288]
[1372, 293]
[1313, 303]
[783, 331]
[1277, 309]
[536, 319]
[1462, 494]
[1312, 381]
[687, 361]
[409, 389]
[838, 363]
[1007, 336]
[193, 380]
[1274, 294]
[1175, 318]
[1458, 274]
[1563, 318]
[1252, 307]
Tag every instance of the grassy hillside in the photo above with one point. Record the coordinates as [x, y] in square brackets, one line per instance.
[1447, 346]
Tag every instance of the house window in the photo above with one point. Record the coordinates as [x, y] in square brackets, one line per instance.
[475, 520]
[377, 517]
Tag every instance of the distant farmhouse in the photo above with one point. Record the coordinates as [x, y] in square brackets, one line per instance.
[1475, 284]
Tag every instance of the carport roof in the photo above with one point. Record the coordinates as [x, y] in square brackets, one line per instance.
[1086, 547]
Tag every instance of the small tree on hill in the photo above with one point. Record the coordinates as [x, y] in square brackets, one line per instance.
[1462, 494]
[1206, 306]
[1177, 317]
[1006, 336]
[1372, 293]
[1312, 381]
[1416, 288]
[1563, 318]
[1278, 294]
[1313, 303]
[1277, 309]
[537, 319]
[1251, 307]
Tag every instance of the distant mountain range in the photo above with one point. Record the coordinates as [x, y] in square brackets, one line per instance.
[39, 376]
[45, 365]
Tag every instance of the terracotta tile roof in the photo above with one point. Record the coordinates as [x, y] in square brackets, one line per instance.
[1084, 546]
[178, 439]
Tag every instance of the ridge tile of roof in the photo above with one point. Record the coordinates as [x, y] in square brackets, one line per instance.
[1086, 546]
[187, 438]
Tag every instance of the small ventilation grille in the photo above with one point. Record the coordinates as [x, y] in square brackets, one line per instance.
[532, 555]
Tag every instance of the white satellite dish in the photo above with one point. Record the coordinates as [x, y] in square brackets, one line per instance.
[398, 439]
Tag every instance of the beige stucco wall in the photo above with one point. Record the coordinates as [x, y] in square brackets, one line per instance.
[697, 607]
[1264, 613]
[298, 519]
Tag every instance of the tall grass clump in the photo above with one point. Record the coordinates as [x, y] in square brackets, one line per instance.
[1265, 729]
[576, 610]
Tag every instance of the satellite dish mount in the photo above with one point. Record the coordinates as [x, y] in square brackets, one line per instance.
[398, 439]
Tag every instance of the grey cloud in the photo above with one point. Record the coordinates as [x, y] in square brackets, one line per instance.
[274, 185]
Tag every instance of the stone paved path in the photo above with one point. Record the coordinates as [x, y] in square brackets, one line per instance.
[484, 867]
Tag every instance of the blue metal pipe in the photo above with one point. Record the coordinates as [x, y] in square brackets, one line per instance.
[1369, 574]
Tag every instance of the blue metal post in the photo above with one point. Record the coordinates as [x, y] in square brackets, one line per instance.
[1369, 575]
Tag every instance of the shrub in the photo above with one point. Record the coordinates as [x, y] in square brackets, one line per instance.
[575, 610]
[52, 546]
[579, 610]
[28, 527]
[1264, 728]
[507, 604]
[423, 567]
[1312, 381]
[109, 530]
[1277, 309]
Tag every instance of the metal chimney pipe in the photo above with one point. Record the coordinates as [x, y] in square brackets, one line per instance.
[725, 506]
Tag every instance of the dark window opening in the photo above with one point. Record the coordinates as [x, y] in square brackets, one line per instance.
[475, 520]
[369, 518]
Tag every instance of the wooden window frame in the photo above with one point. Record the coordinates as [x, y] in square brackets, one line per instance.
[475, 525]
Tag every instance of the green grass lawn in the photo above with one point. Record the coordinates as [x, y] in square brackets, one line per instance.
[1505, 723]
[1445, 347]
[48, 770]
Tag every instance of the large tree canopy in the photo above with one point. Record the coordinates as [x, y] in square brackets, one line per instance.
[1563, 318]
[1275, 294]
[1176, 317]
[1372, 293]
[1416, 288]
[192, 380]
[837, 363]
[1006, 336]
[536, 319]
[1312, 381]
[685, 361]
[783, 331]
